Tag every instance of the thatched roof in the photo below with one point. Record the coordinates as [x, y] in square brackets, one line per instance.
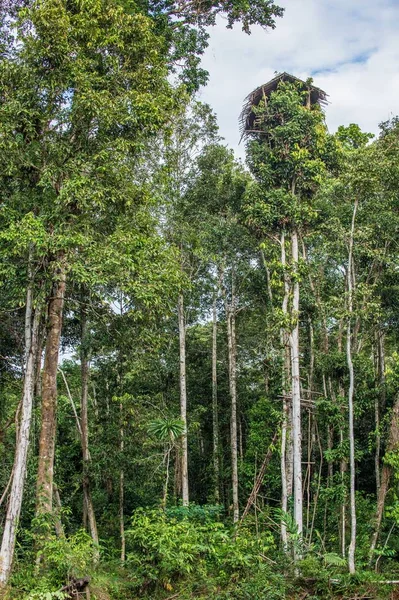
[247, 118]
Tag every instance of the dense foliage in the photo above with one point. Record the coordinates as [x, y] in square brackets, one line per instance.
[198, 361]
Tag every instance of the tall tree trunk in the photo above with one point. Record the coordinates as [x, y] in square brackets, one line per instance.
[45, 473]
[379, 402]
[215, 419]
[290, 448]
[232, 355]
[121, 450]
[352, 545]
[166, 484]
[85, 375]
[183, 400]
[392, 446]
[343, 466]
[296, 390]
[377, 425]
[22, 446]
[122, 488]
[59, 529]
[38, 360]
[286, 405]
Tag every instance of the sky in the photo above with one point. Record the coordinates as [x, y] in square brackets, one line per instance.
[349, 47]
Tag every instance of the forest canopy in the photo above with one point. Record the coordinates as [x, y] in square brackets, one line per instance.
[198, 357]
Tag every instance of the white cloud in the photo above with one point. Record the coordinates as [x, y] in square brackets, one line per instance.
[351, 48]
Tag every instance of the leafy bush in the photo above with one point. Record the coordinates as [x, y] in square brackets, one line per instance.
[264, 583]
[163, 549]
[194, 512]
[57, 595]
[69, 557]
[62, 559]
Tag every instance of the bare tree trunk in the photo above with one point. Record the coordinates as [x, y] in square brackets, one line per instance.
[85, 375]
[45, 473]
[377, 441]
[121, 449]
[22, 446]
[232, 352]
[352, 545]
[342, 469]
[183, 400]
[75, 413]
[286, 404]
[312, 426]
[38, 360]
[308, 472]
[241, 440]
[59, 529]
[392, 446]
[379, 400]
[311, 359]
[296, 391]
[381, 358]
[290, 448]
[166, 484]
[215, 418]
[330, 437]
[284, 497]
[122, 489]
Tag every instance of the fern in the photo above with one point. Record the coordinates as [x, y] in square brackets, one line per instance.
[331, 559]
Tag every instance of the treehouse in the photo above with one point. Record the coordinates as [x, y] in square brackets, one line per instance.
[248, 117]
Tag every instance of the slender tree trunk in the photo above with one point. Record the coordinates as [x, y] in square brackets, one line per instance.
[296, 391]
[381, 359]
[84, 514]
[122, 488]
[377, 441]
[232, 353]
[38, 360]
[342, 469]
[392, 446]
[45, 473]
[166, 484]
[183, 400]
[215, 417]
[284, 498]
[308, 472]
[75, 412]
[85, 375]
[286, 405]
[352, 545]
[121, 450]
[311, 360]
[331, 428]
[22, 446]
[311, 426]
[59, 529]
[379, 403]
[330, 434]
[290, 447]
[241, 440]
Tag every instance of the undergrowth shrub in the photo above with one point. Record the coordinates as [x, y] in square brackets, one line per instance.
[42, 573]
[265, 582]
[195, 512]
[164, 549]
